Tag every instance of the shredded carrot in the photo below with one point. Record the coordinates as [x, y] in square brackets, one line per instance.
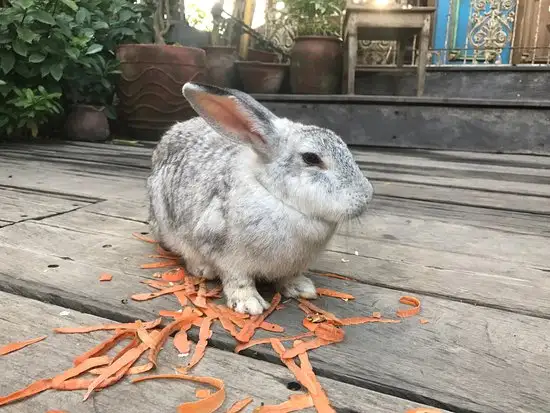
[125, 361]
[251, 343]
[200, 301]
[79, 369]
[315, 309]
[149, 296]
[181, 342]
[214, 293]
[424, 410]
[157, 284]
[304, 374]
[56, 411]
[145, 337]
[160, 264]
[122, 326]
[415, 302]
[10, 348]
[105, 277]
[305, 346]
[182, 298]
[295, 403]
[207, 405]
[200, 348]
[329, 332]
[340, 277]
[240, 405]
[274, 328]
[363, 320]
[133, 344]
[171, 314]
[336, 294]
[34, 388]
[174, 276]
[424, 321]
[202, 393]
[141, 369]
[144, 238]
[250, 327]
[166, 253]
[103, 347]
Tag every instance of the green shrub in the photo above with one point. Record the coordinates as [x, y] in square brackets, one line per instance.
[54, 53]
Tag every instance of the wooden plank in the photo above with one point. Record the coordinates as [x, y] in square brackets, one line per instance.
[24, 318]
[22, 205]
[407, 359]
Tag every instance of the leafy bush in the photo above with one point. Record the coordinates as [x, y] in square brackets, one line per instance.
[54, 53]
[315, 17]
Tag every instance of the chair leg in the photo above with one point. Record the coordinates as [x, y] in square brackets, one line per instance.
[423, 56]
[351, 62]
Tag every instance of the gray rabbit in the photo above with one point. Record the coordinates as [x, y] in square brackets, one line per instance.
[242, 194]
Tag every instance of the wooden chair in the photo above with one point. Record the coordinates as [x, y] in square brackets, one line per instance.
[367, 22]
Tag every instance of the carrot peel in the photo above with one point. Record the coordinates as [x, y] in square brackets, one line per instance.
[408, 300]
[10, 348]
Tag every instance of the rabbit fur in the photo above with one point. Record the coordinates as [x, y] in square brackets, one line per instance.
[232, 193]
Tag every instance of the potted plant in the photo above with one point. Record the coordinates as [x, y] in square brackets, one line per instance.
[152, 75]
[317, 56]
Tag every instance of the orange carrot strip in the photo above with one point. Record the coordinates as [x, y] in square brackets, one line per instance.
[56, 411]
[89, 329]
[149, 296]
[166, 253]
[250, 327]
[174, 276]
[340, 277]
[240, 405]
[159, 264]
[214, 293]
[336, 294]
[305, 346]
[158, 284]
[79, 369]
[103, 347]
[329, 332]
[105, 277]
[83, 384]
[182, 298]
[200, 300]
[200, 348]
[291, 365]
[127, 360]
[424, 321]
[274, 328]
[424, 410]
[141, 369]
[171, 314]
[295, 403]
[207, 405]
[10, 348]
[143, 238]
[415, 302]
[314, 308]
[132, 344]
[34, 388]
[363, 320]
[244, 346]
[144, 336]
[202, 393]
[181, 342]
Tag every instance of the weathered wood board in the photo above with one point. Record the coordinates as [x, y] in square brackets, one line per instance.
[244, 377]
[408, 359]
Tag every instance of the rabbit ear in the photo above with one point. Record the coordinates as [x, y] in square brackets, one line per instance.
[233, 114]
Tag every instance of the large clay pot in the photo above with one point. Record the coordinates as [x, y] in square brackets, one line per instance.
[259, 77]
[87, 123]
[316, 65]
[220, 62]
[150, 86]
[255, 55]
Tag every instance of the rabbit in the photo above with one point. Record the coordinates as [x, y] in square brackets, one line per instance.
[243, 195]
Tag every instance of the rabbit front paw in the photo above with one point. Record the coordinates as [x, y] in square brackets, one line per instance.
[298, 287]
[245, 299]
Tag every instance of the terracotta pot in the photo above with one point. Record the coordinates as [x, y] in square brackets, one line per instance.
[87, 123]
[150, 85]
[316, 65]
[259, 77]
[262, 56]
[220, 64]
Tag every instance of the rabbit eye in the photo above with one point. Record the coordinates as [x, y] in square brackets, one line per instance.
[311, 159]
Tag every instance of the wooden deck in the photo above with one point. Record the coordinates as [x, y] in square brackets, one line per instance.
[467, 233]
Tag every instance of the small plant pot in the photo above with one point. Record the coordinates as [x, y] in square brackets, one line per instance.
[87, 123]
[220, 64]
[259, 77]
[316, 65]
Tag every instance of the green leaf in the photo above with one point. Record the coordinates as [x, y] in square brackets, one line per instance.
[26, 34]
[70, 4]
[100, 25]
[125, 15]
[43, 16]
[56, 71]
[94, 48]
[2, 83]
[82, 15]
[37, 58]
[20, 47]
[24, 4]
[7, 61]
[73, 52]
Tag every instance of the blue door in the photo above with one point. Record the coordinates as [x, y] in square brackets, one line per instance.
[474, 31]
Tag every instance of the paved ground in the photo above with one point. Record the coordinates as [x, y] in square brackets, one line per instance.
[469, 234]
